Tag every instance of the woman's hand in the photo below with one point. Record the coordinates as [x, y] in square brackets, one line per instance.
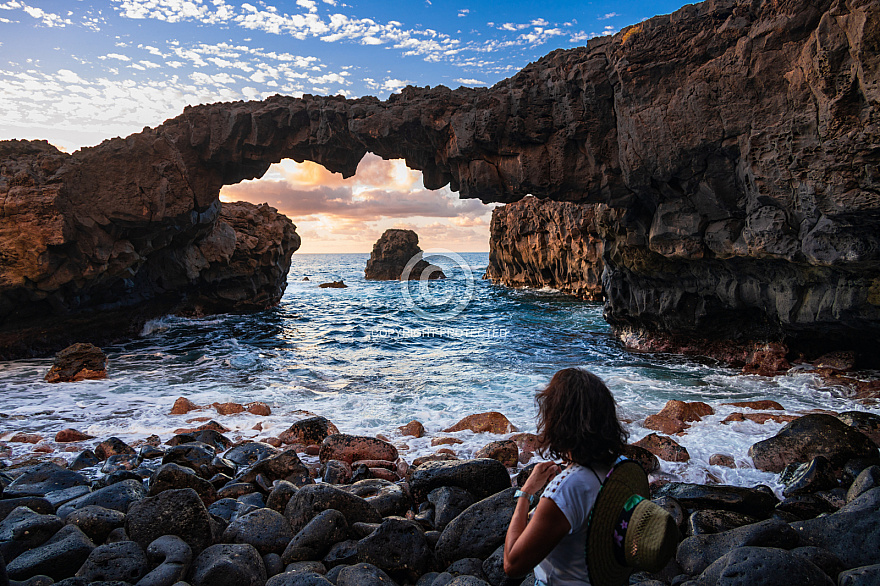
[540, 476]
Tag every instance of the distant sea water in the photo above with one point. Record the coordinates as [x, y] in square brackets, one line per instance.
[372, 357]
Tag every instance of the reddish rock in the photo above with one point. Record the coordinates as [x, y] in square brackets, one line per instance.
[26, 438]
[768, 361]
[333, 285]
[665, 425]
[309, 431]
[388, 465]
[392, 254]
[112, 447]
[182, 406]
[682, 411]
[809, 436]
[445, 441]
[759, 418]
[505, 451]
[413, 428]
[259, 408]
[313, 450]
[664, 448]
[78, 362]
[446, 451]
[528, 444]
[491, 422]
[71, 435]
[384, 474]
[228, 408]
[272, 441]
[722, 460]
[758, 405]
[839, 361]
[211, 424]
[646, 459]
[258, 426]
[350, 448]
[438, 457]
[44, 449]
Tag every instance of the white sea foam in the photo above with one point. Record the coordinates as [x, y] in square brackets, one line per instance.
[314, 353]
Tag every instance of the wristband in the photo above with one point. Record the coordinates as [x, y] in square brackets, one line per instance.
[532, 498]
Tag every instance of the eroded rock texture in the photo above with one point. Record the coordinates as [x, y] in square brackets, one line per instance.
[545, 243]
[94, 243]
[392, 255]
[731, 149]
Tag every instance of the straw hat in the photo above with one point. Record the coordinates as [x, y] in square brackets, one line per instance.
[627, 532]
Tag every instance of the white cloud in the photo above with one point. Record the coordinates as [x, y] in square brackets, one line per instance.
[609, 15]
[392, 85]
[470, 81]
[118, 56]
[463, 12]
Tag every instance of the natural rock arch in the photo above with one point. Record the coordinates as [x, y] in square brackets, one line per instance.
[730, 148]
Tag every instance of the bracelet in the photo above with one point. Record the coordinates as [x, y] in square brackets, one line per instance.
[532, 498]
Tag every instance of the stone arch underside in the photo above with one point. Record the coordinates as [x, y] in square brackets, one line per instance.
[729, 153]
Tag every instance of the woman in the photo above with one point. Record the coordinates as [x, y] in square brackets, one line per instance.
[577, 423]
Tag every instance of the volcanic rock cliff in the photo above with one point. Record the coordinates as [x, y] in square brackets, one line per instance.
[732, 149]
[545, 243]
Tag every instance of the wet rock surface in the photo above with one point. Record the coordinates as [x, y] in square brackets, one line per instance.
[78, 362]
[810, 436]
[395, 254]
[545, 243]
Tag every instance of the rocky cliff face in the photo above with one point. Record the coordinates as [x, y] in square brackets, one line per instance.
[545, 243]
[93, 245]
[731, 149]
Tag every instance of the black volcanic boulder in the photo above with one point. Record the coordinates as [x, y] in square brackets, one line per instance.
[363, 575]
[478, 530]
[315, 539]
[23, 529]
[43, 478]
[172, 476]
[748, 501]
[449, 502]
[768, 566]
[265, 529]
[391, 254]
[698, 552]
[249, 453]
[809, 436]
[284, 465]
[388, 498]
[481, 477]
[117, 497]
[399, 548]
[170, 558]
[78, 362]
[96, 522]
[228, 564]
[172, 512]
[314, 498]
[851, 533]
[124, 561]
[58, 558]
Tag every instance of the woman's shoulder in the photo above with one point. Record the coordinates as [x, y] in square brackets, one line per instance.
[574, 475]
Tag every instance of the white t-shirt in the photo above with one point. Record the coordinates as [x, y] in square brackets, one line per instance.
[574, 491]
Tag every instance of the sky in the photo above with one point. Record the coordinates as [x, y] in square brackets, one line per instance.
[76, 72]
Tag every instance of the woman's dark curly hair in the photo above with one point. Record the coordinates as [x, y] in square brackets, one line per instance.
[577, 419]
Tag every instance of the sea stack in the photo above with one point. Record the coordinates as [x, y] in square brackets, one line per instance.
[391, 254]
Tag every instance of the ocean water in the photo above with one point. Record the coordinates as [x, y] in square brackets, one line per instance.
[376, 355]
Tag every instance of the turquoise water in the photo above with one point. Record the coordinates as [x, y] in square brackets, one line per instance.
[370, 358]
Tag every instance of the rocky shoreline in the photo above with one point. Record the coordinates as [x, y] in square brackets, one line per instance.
[311, 505]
